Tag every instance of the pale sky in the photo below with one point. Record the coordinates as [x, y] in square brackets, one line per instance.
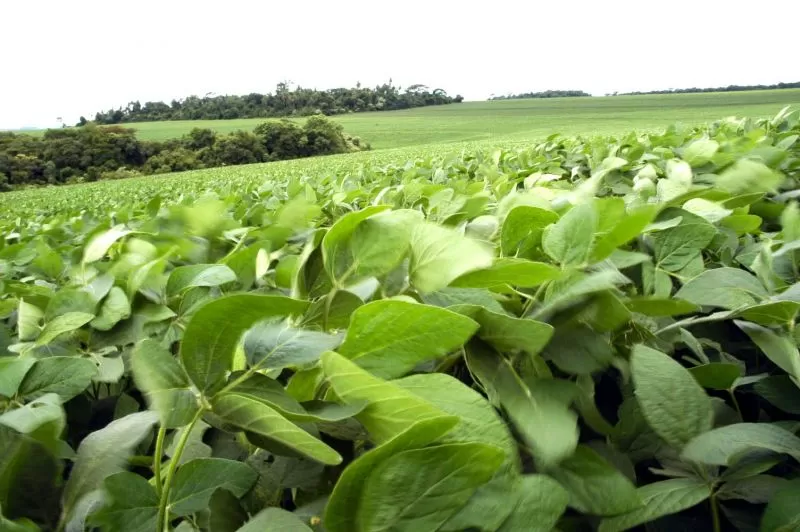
[70, 58]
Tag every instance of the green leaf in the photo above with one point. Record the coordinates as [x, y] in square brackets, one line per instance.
[418, 490]
[184, 277]
[652, 306]
[595, 486]
[164, 382]
[758, 489]
[99, 244]
[271, 345]
[255, 416]
[36, 414]
[522, 230]
[115, 308]
[579, 350]
[623, 232]
[725, 445]
[270, 392]
[660, 499]
[349, 491]
[676, 247]
[748, 176]
[12, 371]
[507, 333]
[197, 480]
[274, 520]
[389, 338]
[728, 288]
[131, 504]
[28, 319]
[391, 408]
[700, 151]
[103, 453]
[63, 324]
[540, 501]
[569, 291]
[455, 298]
[569, 240]
[781, 391]
[65, 376]
[336, 253]
[716, 376]
[545, 423]
[439, 255]
[672, 402]
[324, 411]
[771, 313]
[782, 513]
[216, 329]
[515, 272]
[779, 349]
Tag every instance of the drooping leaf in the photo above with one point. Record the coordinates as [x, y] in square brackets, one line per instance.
[99, 244]
[724, 445]
[272, 345]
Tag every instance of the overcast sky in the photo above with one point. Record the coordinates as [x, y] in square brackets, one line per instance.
[64, 58]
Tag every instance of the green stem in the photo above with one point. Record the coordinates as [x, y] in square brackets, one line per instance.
[163, 512]
[715, 513]
[157, 456]
[531, 301]
[327, 310]
[736, 404]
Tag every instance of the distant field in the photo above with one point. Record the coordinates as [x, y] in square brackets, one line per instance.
[522, 119]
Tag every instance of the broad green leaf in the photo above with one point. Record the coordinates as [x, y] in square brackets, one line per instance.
[489, 506]
[623, 232]
[195, 448]
[349, 492]
[758, 489]
[197, 480]
[321, 411]
[389, 338]
[515, 272]
[271, 345]
[336, 253]
[748, 176]
[781, 350]
[781, 391]
[164, 382]
[62, 324]
[700, 151]
[254, 416]
[579, 350]
[216, 329]
[99, 244]
[507, 333]
[782, 513]
[44, 413]
[115, 308]
[545, 423]
[569, 291]
[672, 402]
[65, 376]
[651, 306]
[725, 445]
[522, 230]
[595, 486]
[339, 310]
[453, 298]
[274, 520]
[103, 453]
[717, 375]
[379, 243]
[540, 503]
[676, 247]
[569, 240]
[131, 504]
[728, 288]
[268, 391]
[28, 319]
[660, 499]
[184, 277]
[439, 255]
[391, 408]
[771, 313]
[420, 489]
[12, 371]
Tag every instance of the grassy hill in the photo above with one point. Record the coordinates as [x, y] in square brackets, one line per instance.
[521, 119]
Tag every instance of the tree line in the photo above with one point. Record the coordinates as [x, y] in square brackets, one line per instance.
[543, 94]
[93, 153]
[281, 103]
[729, 88]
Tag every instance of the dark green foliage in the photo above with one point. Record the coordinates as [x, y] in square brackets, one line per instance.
[543, 94]
[283, 102]
[729, 88]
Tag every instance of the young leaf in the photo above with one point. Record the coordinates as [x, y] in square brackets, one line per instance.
[197, 480]
[439, 255]
[131, 504]
[540, 503]
[674, 405]
[659, 499]
[164, 382]
[725, 445]
[184, 277]
[255, 416]
[595, 486]
[216, 329]
[66, 376]
[420, 489]
[391, 409]
[103, 453]
[569, 240]
[389, 338]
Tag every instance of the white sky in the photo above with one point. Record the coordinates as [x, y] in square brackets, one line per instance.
[67, 58]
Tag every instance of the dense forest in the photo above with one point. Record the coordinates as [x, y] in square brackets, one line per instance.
[543, 94]
[92, 153]
[729, 88]
[283, 102]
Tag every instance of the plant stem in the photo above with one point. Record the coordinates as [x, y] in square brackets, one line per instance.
[736, 404]
[715, 513]
[163, 513]
[327, 310]
[157, 455]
